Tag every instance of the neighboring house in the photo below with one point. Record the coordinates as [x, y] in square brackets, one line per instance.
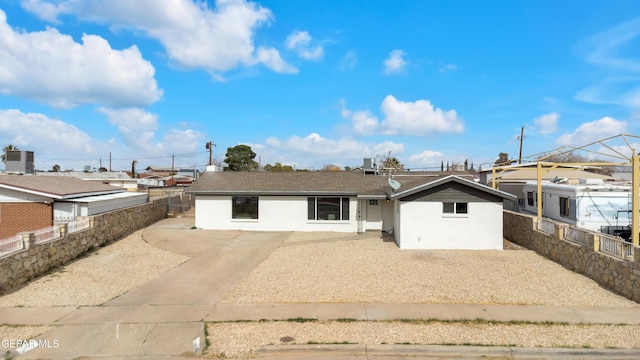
[418, 213]
[30, 202]
[114, 178]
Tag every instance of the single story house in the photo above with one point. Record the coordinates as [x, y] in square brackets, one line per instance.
[421, 211]
[30, 202]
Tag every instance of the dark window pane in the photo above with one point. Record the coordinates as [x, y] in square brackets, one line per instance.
[244, 207]
[461, 208]
[311, 208]
[345, 208]
[447, 208]
[328, 208]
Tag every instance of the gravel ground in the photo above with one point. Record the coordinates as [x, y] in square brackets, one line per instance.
[98, 277]
[330, 268]
[242, 340]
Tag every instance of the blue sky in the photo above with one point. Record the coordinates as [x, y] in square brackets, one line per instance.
[314, 82]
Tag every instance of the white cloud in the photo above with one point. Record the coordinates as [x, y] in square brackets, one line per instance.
[136, 126]
[620, 85]
[47, 137]
[271, 59]
[55, 141]
[547, 123]
[195, 36]
[426, 158]
[51, 67]
[417, 118]
[395, 63]
[593, 131]
[349, 60]
[317, 150]
[299, 42]
[404, 118]
[184, 141]
[448, 67]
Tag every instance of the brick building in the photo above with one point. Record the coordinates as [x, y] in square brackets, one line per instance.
[29, 202]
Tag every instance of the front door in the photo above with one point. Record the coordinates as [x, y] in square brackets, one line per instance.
[373, 214]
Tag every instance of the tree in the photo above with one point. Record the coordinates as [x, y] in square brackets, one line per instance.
[330, 168]
[466, 165]
[503, 159]
[240, 158]
[442, 165]
[133, 169]
[389, 162]
[9, 147]
[278, 167]
[55, 168]
[103, 169]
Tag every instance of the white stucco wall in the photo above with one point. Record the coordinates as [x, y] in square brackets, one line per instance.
[422, 225]
[275, 213]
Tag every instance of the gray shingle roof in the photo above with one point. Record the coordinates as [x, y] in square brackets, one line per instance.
[283, 183]
[61, 187]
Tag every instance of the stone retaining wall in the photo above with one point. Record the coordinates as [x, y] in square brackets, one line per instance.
[22, 266]
[617, 275]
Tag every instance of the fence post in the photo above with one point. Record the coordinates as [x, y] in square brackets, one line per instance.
[28, 239]
[63, 229]
[595, 242]
[559, 231]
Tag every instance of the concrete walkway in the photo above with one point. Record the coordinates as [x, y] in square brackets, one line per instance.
[164, 318]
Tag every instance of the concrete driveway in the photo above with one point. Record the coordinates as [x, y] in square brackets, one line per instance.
[163, 316]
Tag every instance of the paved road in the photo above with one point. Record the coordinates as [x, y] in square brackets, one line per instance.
[163, 317]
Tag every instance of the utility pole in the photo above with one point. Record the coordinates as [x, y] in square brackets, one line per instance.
[521, 138]
[209, 147]
[109, 161]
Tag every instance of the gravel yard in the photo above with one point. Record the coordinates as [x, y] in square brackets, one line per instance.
[242, 340]
[333, 267]
[98, 277]
[337, 267]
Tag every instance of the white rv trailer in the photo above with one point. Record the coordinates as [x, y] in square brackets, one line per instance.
[590, 204]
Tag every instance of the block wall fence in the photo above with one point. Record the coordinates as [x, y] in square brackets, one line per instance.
[18, 268]
[617, 275]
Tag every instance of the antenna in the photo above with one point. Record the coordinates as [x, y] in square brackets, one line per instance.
[395, 185]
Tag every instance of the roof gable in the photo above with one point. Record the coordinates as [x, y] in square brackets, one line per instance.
[478, 190]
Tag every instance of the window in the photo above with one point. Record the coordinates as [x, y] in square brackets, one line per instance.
[328, 208]
[373, 202]
[455, 208]
[530, 197]
[244, 207]
[564, 206]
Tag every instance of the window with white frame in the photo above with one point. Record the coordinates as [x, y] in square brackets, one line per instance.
[455, 207]
[244, 207]
[328, 208]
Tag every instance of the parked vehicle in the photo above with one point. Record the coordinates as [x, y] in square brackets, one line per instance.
[590, 204]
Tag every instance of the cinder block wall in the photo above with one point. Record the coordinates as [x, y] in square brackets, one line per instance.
[26, 216]
[619, 276]
[20, 267]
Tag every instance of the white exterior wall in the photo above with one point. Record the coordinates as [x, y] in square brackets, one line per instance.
[275, 213]
[7, 195]
[424, 226]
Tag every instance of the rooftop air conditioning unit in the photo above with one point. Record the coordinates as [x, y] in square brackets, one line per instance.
[19, 161]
